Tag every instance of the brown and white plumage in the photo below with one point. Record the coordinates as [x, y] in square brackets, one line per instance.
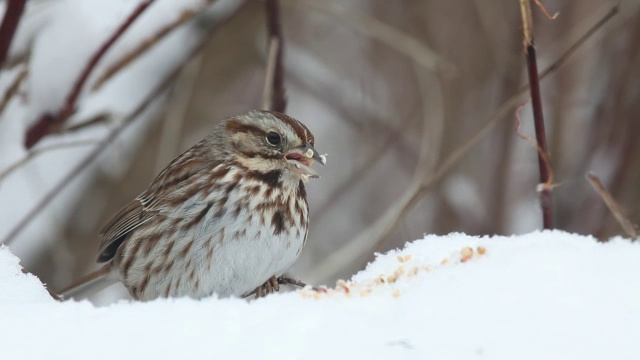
[223, 217]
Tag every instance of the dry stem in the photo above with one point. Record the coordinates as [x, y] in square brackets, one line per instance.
[546, 201]
[41, 150]
[613, 206]
[145, 45]
[274, 97]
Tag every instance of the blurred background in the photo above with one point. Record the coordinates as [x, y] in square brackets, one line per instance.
[391, 89]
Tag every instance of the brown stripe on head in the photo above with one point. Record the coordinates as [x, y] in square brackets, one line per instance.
[249, 123]
[235, 125]
[299, 128]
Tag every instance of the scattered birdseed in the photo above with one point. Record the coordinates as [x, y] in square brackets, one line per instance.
[342, 285]
[413, 271]
[466, 253]
[366, 288]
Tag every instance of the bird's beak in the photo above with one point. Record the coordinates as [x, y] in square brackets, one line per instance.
[302, 157]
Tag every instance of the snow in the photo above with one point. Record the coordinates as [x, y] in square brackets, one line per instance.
[534, 296]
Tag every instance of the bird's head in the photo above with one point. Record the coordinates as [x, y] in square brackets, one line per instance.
[268, 141]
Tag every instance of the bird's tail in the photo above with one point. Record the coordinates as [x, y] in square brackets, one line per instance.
[89, 284]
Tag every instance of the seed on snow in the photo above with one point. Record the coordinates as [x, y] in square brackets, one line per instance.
[467, 253]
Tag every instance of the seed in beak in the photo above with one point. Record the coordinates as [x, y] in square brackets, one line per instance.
[309, 153]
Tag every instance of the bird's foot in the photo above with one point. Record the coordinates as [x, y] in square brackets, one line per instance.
[273, 284]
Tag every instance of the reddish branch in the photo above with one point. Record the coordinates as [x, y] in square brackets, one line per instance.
[278, 100]
[548, 185]
[10, 22]
[538, 118]
[49, 122]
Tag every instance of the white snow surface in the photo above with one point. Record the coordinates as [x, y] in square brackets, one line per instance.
[543, 295]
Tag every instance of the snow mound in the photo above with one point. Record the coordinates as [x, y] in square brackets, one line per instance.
[17, 287]
[539, 295]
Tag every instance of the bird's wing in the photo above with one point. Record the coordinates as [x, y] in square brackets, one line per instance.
[151, 202]
[116, 231]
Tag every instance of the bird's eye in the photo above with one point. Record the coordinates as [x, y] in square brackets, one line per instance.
[273, 138]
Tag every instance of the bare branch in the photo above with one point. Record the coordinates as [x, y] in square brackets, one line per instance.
[48, 122]
[274, 97]
[97, 119]
[613, 206]
[41, 150]
[270, 72]
[13, 89]
[10, 22]
[147, 44]
[546, 202]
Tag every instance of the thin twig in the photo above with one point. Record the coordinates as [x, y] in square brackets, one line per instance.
[13, 89]
[146, 44]
[545, 12]
[10, 21]
[546, 202]
[97, 119]
[613, 206]
[344, 256]
[274, 97]
[270, 72]
[48, 122]
[33, 153]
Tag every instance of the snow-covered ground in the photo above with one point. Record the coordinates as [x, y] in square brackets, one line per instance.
[544, 295]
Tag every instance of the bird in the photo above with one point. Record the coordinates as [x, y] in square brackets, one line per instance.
[228, 216]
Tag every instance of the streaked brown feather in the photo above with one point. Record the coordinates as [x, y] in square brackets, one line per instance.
[115, 232]
[146, 206]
